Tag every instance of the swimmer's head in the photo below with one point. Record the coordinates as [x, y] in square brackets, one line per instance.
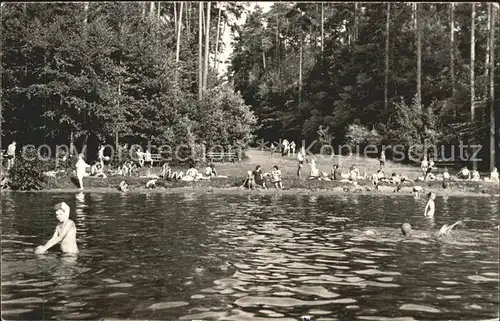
[431, 195]
[62, 211]
[406, 229]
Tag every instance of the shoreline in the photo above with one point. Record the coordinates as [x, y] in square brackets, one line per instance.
[384, 191]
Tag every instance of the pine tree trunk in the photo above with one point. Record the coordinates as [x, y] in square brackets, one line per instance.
[175, 17]
[216, 62]
[472, 63]
[207, 47]
[86, 9]
[419, 53]
[452, 49]
[322, 28]
[117, 143]
[300, 69]
[200, 55]
[492, 86]
[386, 80]
[472, 76]
[487, 56]
[158, 11]
[188, 16]
[151, 9]
[355, 30]
[413, 23]
[179, 28]
[144, 10]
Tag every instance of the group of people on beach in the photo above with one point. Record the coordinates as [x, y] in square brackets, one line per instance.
[257, 179]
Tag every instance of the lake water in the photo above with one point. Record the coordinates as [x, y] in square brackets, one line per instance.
[254, 257]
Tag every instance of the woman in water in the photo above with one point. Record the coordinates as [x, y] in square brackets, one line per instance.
[65, 232]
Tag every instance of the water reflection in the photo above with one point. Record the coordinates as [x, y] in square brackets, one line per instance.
[256, 257]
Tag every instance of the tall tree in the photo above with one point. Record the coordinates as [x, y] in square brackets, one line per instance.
[216, 61]
[452, 48]
[322, 28]
[179, 28]
[487, 55]
[386, 73]
[472, 62]
[492, 12]
[419, 52]
[207, 47]
[200, 55]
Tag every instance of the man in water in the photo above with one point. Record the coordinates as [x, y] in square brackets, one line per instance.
[430, 207]
[65, 232]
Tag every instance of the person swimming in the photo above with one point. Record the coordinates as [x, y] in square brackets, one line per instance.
[445, 230]
[123, 186]
[65, 232]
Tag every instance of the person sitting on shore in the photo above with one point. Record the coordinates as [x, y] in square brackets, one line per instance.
[428, 173]
[464, 173]
[335, 173]
[177, 176]
[249, 181]
[65, 232]
[446, 175]
[98, 170]
[314, 173]
[260, 180]
[276, 177]
[166, 171]
[354, 173]
[191, 174]
[475, 175]
[123, 186]
[210, 171]
[395, 179]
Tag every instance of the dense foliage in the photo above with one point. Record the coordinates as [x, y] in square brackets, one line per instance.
[343, 79]
[109, 71]
[28, 172]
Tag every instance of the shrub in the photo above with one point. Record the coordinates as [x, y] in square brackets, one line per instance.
[28, 172]
[358, 135]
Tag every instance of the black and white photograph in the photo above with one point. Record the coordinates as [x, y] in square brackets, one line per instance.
[250, 161]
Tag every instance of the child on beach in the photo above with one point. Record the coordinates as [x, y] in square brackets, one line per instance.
[276, 174]
[249, 181]
[430, 207]
[65, 232]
